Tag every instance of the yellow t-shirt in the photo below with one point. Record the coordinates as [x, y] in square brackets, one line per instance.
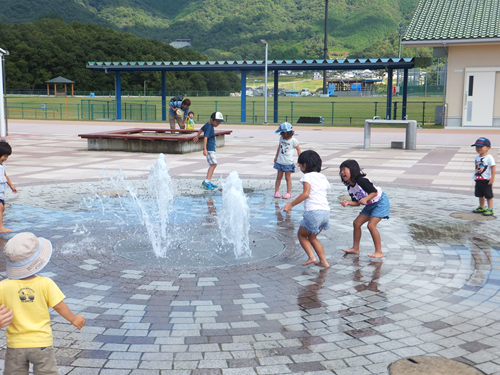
[30, 301]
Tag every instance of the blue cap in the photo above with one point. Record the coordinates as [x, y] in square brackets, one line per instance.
[482, 142]
[284, 127]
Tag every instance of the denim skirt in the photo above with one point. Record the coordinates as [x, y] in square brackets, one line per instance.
[284, 168]
[381, 208]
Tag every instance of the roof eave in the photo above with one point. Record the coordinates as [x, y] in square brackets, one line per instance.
[441, 42]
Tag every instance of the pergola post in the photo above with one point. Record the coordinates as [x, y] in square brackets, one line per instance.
[118, 93]
[163, 96]
[389, 94]
[243, 96]
[276, 94]
[405, 92]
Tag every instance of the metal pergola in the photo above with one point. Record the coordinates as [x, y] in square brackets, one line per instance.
[389, 64]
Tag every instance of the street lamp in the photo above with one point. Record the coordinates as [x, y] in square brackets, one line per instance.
[401, 31]
[3, 121]
[265, 83]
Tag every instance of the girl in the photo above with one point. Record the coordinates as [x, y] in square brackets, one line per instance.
[283, 161]
[316, 209]
[376, 203]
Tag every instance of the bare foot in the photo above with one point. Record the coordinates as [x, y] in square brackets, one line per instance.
[309, 261]
[325, 264]
[352, 250]
[376, 255]
[5, 230]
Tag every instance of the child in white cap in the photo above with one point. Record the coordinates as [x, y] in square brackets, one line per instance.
[284, 161]
[29, 336]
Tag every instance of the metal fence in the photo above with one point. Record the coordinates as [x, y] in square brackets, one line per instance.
[338, 113]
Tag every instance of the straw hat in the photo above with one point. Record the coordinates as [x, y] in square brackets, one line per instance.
[26, 255]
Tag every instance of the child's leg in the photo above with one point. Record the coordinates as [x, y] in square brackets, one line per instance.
[357, 224]
[16, 362]
[318, 247]
[279, 176]
[288, 177]
[210, 171]
[490, 203]
[372, 227]
[481, 202]
[44, 361]
[303, 235]
[2, 228]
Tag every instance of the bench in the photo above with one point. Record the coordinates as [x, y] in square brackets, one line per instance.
[411, 131]
[310, 120]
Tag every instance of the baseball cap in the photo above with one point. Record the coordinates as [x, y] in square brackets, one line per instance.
[26, 255]
[217, 116]
[284, 127]
[482, 142]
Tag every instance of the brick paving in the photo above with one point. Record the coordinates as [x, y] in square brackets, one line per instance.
[434, 293]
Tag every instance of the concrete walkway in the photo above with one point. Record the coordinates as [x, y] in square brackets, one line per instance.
[435, 292]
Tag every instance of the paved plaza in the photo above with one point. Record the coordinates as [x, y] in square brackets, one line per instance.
[435, 292]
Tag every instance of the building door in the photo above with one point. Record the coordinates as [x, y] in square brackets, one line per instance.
[479, 98]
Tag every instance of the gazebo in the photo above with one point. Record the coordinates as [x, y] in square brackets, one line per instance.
[60, 80]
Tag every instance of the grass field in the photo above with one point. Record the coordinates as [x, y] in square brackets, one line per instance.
[334, 110]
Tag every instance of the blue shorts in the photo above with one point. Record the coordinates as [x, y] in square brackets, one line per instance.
[381, 208]
[315, 221]
[285, 168]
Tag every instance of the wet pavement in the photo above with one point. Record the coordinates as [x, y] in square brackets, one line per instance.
[435, 292]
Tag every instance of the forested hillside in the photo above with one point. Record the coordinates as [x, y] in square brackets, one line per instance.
[228, 29]
[45, 49]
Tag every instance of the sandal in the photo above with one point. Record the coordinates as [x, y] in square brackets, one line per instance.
[287, 195]
[277, 194]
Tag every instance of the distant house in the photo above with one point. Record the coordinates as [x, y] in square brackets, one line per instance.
[467, 34]
[181, 43]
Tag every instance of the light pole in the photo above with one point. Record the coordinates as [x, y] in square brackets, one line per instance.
[265, 83]
[3, 121]
[401, 31]
[325, 49]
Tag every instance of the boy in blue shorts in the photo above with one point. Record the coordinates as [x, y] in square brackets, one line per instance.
[209, 147]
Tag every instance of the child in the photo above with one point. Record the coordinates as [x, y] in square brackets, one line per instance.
[5, 151]
[190, 121]
[316, 208]
[284, 161]
[29, 336]
[209, 147]
[178, 112]
[484, 176]
[376, 203]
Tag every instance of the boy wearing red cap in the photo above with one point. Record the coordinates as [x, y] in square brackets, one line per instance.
[484, 176]
[29, 336]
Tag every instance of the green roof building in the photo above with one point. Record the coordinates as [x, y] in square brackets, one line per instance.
[467, 34]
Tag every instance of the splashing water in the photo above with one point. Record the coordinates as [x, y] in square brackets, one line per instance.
[156, 207]
[234, 216]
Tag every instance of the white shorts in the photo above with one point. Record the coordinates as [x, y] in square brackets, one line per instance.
[211, 158]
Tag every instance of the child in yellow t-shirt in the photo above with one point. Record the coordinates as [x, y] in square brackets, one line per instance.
[190, 121]
[29, 336]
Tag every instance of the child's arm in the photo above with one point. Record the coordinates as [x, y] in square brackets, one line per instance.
[6, 316]
[298, 150]
[197, 136]
[302, 197]
[490, 181]
[205, 152]
[362, 201]
[14, 190]
[77, 320]
[277, 153]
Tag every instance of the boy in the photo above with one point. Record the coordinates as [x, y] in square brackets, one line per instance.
[484, 176]
[29, 336]
[5, 151]
[209, 147]
[178, 112]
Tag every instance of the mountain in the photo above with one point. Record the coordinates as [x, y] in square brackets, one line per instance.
[228, 29]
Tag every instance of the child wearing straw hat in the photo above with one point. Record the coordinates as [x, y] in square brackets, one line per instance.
[29, 336]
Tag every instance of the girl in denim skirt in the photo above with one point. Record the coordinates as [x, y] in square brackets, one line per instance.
[375, 202]
[284, 160]
[316, 208]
